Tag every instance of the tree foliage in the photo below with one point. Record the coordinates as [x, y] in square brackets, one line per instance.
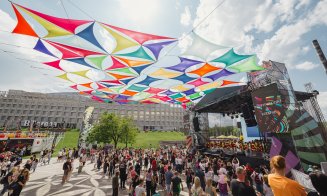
[113, 128]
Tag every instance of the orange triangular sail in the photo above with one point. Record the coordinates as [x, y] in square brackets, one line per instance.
[22, 26]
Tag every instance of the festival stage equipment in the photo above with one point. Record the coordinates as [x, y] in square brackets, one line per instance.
[320, 54]
[294, 133]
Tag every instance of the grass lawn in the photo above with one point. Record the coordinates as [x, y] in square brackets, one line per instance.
[143, 140]
[70, 141]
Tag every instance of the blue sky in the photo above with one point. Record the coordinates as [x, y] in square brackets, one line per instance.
[274, 30]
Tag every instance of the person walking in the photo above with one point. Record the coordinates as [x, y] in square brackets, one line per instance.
[239, 187]
[176, 185]
[115, 184]
[66, 168]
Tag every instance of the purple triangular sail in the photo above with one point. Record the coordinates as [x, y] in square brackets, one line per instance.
[41, 48]
[157, 47]
[168, 92]
[220, 74]
[184, 64]
[189, 92]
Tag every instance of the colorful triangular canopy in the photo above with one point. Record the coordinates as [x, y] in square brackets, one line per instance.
[97, 60]
[184, 64]
[148, 80]
[184, 78]
[80, 61]
[54, 64]
[205, 69]
[248, 65]
[220, 74]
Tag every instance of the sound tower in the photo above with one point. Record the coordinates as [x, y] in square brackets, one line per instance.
[196, 124]
[248, 115]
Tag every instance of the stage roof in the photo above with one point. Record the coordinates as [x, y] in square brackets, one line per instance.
[230, 99]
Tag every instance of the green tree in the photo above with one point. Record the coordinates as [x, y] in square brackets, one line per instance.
[128, 131]
[107, 129]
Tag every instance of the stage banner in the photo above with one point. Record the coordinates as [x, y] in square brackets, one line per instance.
[269, 109]
[37, 145]
[19, 143]
[86, 126]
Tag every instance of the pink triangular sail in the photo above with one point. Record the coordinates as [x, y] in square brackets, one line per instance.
[138, 36]
[54, 64]
[67, 24]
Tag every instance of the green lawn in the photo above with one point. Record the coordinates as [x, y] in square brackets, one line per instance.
[70, 141]
[143, 140]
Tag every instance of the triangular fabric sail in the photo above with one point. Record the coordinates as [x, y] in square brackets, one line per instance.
[209, 90]
[197, 82]
[119, 76]
[195, 96]
[88, 35]
[228, 82]
[111, 82]
[214, 84]
[81, 52]
[97, 60]
[53, 30]
[201, 48]
[116, 89]
[189, 92]
[41, 48]
[126, 81]
[81, 61]
[168, 92]
[176, 96]
[153, 90]
[81, 73]
[139, 69]
[65, 52]
[54, 64]
[137, 88]
[164, 73]
[139, 53]
[116, 64]
[121, 41]
[220, 74]
[129, 93]
[22, 26]
[137, 36]
[184, 64]
[157, 47]
[133, 63]
[67, 24]
[128, 71]
[148, 80]
[87, 85]
[230, 58]
[74, 87]
[247, 66]
[179, 88]
[184, 78]
[64, 77]
[205, 69]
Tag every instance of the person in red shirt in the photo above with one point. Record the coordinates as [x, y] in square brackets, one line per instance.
[154, 165]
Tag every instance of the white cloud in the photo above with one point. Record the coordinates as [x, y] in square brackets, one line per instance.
[186, 17]
[306, 65]
[6, 23]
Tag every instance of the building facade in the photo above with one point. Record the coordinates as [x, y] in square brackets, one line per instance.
[20, 109]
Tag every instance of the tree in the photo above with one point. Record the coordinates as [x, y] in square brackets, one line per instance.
[107, 129]
[128, 131]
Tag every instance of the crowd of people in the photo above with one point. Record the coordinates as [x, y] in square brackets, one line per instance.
[166, 171]
[238, 145]
[146, 172]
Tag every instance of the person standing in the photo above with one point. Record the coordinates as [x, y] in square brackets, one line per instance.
[148, 182]
[20, 182]
[280, 184]
[168, 177]
[239, 187]
[139, 189]
[66, 168]
[115, 184]
[176, 184]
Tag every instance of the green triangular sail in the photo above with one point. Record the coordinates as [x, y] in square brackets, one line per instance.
[97, 61]
[230, 58]
[139, 53]
[247, 66]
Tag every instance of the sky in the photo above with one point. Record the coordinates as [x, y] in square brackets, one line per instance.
[281, 31]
